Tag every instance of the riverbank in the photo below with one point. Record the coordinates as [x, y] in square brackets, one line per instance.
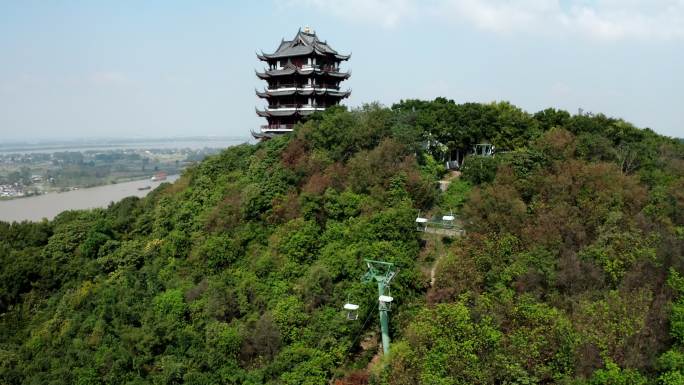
[36, 208]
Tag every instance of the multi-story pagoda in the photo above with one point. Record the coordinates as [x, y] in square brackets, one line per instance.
[303, 76]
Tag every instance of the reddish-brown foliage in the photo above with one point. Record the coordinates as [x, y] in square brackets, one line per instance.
[226, 214]
[317, 184]
[356, 378]
[576, 276]
[677, 192]
[294, 155]
[496, 208]
[285, 208]
[338, 174]
[587, 360]
[454, 275]
[557, 143]
[594, 189]
[375, 167]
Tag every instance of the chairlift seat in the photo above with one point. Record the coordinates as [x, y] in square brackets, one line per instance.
[421, 220]
[448, 218]
[352, 311]
[385, 298]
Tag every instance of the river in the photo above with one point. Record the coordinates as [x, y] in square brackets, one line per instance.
[49, 205]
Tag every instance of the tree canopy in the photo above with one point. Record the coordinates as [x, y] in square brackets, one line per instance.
[570, 270]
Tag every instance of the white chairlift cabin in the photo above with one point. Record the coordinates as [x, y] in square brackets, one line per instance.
[385, 298]
[385, 301]
[448, 220]
[421, 223]
[352, 311]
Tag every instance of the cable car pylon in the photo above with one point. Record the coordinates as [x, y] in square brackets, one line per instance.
[383, 273]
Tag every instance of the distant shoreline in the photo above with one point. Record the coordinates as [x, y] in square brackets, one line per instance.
[37, 207]
[39, 168]
[77, 188]
[85, 145]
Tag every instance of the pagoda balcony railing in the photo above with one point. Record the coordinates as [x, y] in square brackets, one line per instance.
[322, 67]
[304, 86]
[272, 127]
[296, 106]
[325, 68]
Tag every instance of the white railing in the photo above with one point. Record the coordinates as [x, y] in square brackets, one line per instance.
[286, 87]
[277, 127]
[297, 107]
[322, 67]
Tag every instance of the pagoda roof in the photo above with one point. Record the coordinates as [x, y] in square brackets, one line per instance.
[291, 69]
[304, 92]
[268, 133]
[261, 135]
[304, 43]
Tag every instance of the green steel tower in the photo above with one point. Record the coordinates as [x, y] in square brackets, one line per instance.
[382, 273]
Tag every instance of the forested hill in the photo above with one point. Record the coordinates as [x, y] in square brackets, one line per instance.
[570, 272]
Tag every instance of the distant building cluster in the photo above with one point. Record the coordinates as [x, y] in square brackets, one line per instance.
[13, 190]
[28, 174]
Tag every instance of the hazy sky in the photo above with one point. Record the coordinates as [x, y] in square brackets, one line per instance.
[180, 68]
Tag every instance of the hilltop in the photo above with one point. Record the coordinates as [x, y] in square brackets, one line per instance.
[570, 269]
